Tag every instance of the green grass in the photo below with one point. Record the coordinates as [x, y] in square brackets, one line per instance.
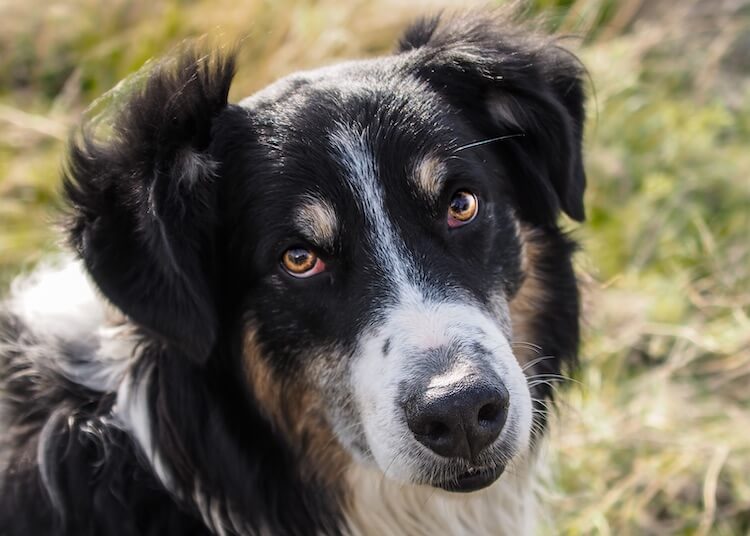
[656, 439]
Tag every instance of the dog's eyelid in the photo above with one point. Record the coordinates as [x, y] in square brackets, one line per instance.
[293, 238]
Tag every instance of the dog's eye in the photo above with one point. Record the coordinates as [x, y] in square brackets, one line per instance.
[301, 262]
[462, 209]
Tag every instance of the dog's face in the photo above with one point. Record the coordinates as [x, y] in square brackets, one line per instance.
[354, 236]
[384, 251]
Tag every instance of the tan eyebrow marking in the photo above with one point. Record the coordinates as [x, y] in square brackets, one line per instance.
[317, 221]
[429, 176]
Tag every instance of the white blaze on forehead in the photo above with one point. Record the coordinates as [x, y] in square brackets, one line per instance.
[419, 319]
[353, 151]
[317, 221]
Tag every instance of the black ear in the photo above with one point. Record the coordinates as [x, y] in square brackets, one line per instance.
[143, 201]
[524, 91]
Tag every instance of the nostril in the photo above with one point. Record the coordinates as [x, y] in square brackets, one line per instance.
[489, 413]
[437, 425]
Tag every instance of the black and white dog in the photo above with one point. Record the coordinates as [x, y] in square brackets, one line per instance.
[324, 310]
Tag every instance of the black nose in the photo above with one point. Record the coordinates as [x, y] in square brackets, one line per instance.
[459, 422]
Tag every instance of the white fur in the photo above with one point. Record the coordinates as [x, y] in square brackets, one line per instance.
[382, 506]
[415, 326]
[355, 154]
[421, 319]
[60, 305]
[58, 299]
[45, 471]
[132, 413]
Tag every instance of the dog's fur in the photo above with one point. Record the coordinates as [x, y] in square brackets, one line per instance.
[174, 379]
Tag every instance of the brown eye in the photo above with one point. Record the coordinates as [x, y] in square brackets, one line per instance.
[462, 209]
[301, 262]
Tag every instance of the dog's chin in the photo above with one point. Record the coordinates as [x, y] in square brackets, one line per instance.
[472, 480]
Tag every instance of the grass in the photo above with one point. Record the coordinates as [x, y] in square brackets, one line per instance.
[656, 440]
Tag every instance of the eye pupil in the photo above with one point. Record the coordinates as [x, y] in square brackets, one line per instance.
[460, 204]
[298, 256]
[462, 209]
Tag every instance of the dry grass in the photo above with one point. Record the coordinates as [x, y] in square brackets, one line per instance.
[657, 438]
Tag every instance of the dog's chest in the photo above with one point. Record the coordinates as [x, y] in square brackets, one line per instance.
[380, 506]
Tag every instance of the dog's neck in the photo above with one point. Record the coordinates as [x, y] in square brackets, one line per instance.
[382, 506]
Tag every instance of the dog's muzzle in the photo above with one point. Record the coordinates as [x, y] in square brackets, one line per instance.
[459, 416]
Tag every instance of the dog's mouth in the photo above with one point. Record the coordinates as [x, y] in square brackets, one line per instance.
[472, 480]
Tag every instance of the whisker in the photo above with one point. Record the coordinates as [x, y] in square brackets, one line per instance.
[543, 382]
[490, 140]
[547, 380]
[526, 344]
[556, 377]
[544, 403]
[535, 361]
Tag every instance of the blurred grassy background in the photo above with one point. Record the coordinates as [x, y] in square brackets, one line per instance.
[656, 439]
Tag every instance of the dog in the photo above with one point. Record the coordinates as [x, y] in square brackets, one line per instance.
[335, 307]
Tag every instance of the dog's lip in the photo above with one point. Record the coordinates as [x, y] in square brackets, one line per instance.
[473, 480]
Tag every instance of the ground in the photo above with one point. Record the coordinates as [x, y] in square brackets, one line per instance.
[653, 433]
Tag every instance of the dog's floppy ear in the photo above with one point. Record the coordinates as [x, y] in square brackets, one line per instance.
[143, 200]
[524, 92]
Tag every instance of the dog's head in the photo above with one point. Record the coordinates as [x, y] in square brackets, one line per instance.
[345, 245]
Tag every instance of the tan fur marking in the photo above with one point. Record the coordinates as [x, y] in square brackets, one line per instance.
[317, 221]
[295, 409]
[429, 176]
[530, 298]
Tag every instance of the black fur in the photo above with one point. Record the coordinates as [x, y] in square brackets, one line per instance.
[176, 217]
[150, 192]
[472, 59]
